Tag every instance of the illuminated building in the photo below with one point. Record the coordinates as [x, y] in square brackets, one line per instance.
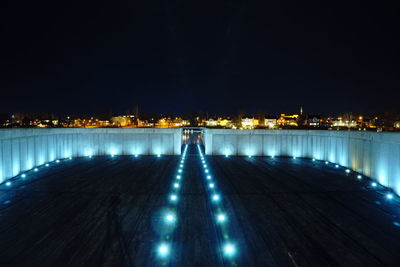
[288, 120]
[249, 123]
[270, 122]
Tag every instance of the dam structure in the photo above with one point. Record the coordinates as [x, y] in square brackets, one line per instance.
[198, 197]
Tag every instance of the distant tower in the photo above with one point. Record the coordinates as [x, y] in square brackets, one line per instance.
[301, 110]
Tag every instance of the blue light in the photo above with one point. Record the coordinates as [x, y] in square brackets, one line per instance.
[163, 250]
[8, 183]
[205, 166]
[180, 170]
[176, 185]
[226, 156]
[170, 218]
[208, 177]
[229, 250]
[112, 155]
[272, 156]
[347, 171]
[70, 158]
[326, 162]
[23, 175]
[359, 177]
[158, 155]
[211, 185]
[374, 184]
[336, 166]
[58, 161]
[181, 165]
[221, 218]
[215, 197]
[294, 158]
[206, 171]
[36, 169]
[178, 177]
[173, 197]
[47, 165]
[313, 159]
[136, 155]
[389, 196]
[249, 156]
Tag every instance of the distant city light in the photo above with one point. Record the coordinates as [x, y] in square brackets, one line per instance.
[347, 171]
[374, 184]
[359, 176]
[58, 161]
[336, 166]
[23, 175]
[8, 183]
[389, 196]
[36, 169]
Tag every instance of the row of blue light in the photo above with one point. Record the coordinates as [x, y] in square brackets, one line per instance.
[228, 248]
[359, 176]
[170, 216]
[25, 174]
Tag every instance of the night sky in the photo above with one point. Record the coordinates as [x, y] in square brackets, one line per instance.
[215, 56]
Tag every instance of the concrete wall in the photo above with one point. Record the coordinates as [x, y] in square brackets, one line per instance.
[23, 149]
[376, 155]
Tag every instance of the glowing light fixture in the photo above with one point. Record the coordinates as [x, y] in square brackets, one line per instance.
[229, 250]
[180, 170]
[336, 166]
[221, 218]
[47, 165]
[8, 183]
[163, 250]
[206, 171]
[294, 157]
[136, 155]
[176, 185]
[389, 196]
[359, 177]
[170, 218]
[35, 169]
[208, 177]
[58, 161]
[347, 171]
[313, 159]
[215, 197]
[326, 162]
[211, 185]
[178, 177]
[158, 155]
[23, 175]
[374, 184]
[173, 197]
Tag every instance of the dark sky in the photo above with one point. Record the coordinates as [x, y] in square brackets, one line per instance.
[216, 56]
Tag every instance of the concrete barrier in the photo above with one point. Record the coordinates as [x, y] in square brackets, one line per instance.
[376, 155]
[23, 149]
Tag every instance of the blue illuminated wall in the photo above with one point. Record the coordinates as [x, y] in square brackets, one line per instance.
[23, 149]
[376, 155]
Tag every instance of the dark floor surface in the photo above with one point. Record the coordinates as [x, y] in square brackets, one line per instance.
[281, 212]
